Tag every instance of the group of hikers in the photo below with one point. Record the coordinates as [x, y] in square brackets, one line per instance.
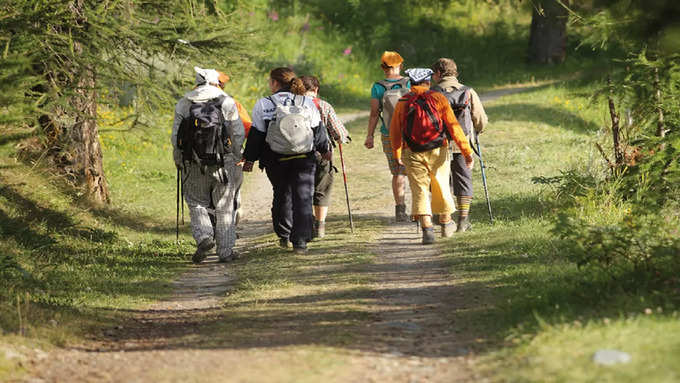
[424, 133]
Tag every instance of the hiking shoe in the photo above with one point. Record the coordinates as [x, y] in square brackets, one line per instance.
[228, 258]
[202, 250]
[464, 224]
[448, 229]
[428, 235]
[400, 213]
[300, 248]
[319, 230]
[284, 242]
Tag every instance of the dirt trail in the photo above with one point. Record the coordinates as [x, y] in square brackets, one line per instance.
[414, 337]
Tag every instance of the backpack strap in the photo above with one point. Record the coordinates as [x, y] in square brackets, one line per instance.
[223, 137]
[392, 84]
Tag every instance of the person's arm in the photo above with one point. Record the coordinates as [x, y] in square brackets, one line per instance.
[373, 117]
[335, 127]
[321, 143]
[176, 153]
[235, 126]
[396, 130]
[453, 127]
[479, 117]
[256, 138]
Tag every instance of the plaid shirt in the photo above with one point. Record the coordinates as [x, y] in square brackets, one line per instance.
[336, 129]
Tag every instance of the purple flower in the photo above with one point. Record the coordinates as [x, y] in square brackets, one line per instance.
[274, 15]
[347, 51]
[305, 27]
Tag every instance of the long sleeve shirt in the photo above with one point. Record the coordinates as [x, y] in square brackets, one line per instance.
[264, 110]
[445, 112]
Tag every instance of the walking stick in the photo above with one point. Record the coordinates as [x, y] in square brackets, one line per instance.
[179, 186]
[483, 167]
[344, 178]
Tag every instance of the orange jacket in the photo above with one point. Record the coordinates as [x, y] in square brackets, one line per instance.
[445, 112]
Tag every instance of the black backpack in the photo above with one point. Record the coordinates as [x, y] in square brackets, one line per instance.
[459, 100]
[203, 136]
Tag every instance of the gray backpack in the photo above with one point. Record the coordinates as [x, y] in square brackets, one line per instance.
[290, 132]
[460, 101]
[394, 90]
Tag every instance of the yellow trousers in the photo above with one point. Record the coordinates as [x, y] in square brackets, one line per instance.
[429, 172]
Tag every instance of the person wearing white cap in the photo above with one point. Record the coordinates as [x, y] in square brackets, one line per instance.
[214, 179]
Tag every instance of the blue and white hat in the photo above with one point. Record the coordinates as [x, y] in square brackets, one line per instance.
[418, 75]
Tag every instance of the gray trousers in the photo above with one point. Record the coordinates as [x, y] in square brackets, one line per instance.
[203, 191]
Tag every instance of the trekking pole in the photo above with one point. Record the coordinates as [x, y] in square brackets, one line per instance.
[179, 185]
[344, 178]
[483, 168]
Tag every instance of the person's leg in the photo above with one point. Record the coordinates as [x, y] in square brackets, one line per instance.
[323, 185]
[224, 195]
[281, 202]
[399, 188]
[419, 181]
[398, 180]
[442, 201]
[197, 187]
[301, 179]
[462, 190]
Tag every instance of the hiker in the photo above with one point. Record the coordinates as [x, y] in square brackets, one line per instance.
[470, 114]
[207, 136]
[247, 122]
[421, 124]
[384, 96]
[323, 178]
[286, 132]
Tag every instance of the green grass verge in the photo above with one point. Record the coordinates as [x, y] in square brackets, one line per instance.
[549, 316]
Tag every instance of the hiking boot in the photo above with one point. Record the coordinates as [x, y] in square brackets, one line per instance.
[428, 235]
[228, 258]
[448, 229]
[319, 230]
[284, 242]
[202, 250]
[400, 213]
[300, 247]
[464, 224]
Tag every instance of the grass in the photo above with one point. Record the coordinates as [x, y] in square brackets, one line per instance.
[73, 266]
[549, 316]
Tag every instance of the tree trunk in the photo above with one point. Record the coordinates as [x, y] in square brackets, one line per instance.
[84, 141]
[548, 35]
[84, 151]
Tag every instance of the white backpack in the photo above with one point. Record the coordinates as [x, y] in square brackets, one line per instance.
[290, 132]
[394, 90]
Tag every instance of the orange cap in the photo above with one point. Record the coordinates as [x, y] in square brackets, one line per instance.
[223, 78]
[391, 58]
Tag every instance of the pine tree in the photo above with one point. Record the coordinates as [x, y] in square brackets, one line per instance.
[58, 55]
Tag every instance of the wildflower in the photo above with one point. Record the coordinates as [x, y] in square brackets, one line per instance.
[274, 15]
[305, 28]
[347, 51]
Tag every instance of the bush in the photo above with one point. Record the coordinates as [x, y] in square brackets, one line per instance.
[628, 223]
